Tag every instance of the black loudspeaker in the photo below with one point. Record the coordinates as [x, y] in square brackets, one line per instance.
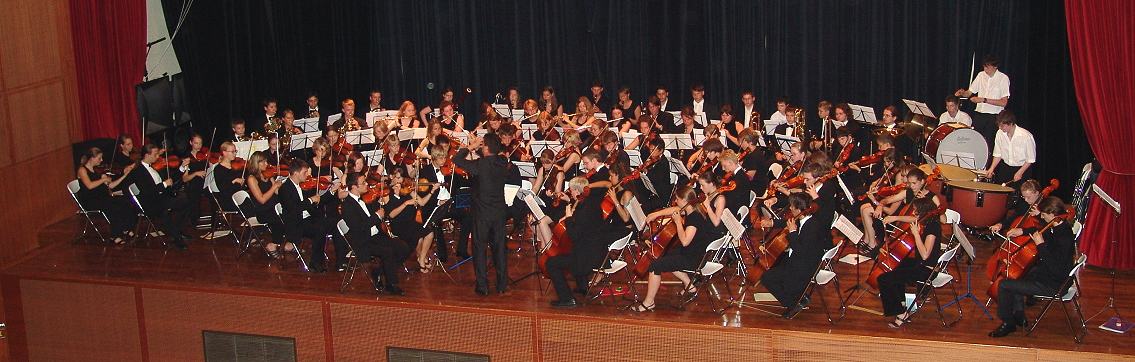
[221, 346]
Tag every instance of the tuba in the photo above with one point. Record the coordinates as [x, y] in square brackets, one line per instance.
[273, 125]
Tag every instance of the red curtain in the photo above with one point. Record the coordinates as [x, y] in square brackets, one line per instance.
[1101, 37]
[109, 39]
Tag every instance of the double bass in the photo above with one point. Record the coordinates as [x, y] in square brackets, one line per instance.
[1017, 254]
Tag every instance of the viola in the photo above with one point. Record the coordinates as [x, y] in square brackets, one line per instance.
[844, 154]
[888, 191]
[560, 244]
[1016, 255]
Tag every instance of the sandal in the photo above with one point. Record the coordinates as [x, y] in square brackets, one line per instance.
[119, 241]
[424, 269]
[643, 308]
[897, 323]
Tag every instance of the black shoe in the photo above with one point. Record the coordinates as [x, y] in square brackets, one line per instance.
[481, 291]
[792, 312]
[394, 290]
[570, 303]
[318, 268]
[179, 243]
[804, 302]
[1003, 330]
[504, 291]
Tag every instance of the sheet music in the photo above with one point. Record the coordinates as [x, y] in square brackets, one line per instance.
[846, 192]
[504, 110]
[733, 225]
[629, 137]
[964, 241]
[648, 185]
[332, 118]
[848, 229]
[360, 137]
[244, 149]
[460, 136]
[634, 208]
[539, 146]
[307, 124]
[527, 169]
[677, 167]
[917, 107]
[635, 157]
[534, 204]
[785, 142]
[679, 141]
[510, 193]
[374, 157]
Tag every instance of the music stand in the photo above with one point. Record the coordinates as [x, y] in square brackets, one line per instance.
[307, 124]
[374, 157]
[460, 136]
[678, 141]
[481, 132]
[629, 137]
[538, 147]
[527, 129]
[527, 169]
[785, 142]
[968, 248]
[360, 137]
[244, 149]
[863, 114]
[964, 160]
[635, 158]
[371, 117]
[303, 140]
[411, 134]
[919, 108]
[1115, 323]
[503, 110]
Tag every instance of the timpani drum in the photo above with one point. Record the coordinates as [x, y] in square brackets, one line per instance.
[948, 173]
[981, 204]
[958, 144]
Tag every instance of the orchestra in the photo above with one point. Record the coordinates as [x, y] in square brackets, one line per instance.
[416, 180]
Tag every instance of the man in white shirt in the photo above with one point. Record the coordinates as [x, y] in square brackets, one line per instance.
[990, 92]
[749, 107]
[663, 95]
[700, 105]
[779, 118]
[375, 99]
[953, 113]
[1014, 151]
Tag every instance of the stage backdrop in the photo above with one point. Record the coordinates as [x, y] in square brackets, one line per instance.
[873, 53]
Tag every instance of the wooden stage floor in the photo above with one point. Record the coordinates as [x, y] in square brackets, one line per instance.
[212, 266]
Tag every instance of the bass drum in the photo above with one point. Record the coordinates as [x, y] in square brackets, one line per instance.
[958, 144]
[981, 204]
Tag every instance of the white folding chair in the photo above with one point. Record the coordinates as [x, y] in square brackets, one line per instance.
[218, 211]
[928, 289]
[775, 170]
[279, 208]
[612, 264]
[825, 274]
[703, 276]
[353, 261]
[1069, 292]
[144, 220]
[252, 227]
[73, 189]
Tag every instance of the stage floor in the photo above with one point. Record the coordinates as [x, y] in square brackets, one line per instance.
[213, 266]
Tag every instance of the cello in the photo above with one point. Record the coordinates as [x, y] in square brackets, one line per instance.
[773, 246]
[898, 245]
[1017, 254]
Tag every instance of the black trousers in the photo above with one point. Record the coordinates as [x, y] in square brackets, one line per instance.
[391, 252]
[1011, 296]
[892, 284]
[986, 125]
[488, 230]
[788, 279]
[315, 228]
[172, 215]
[559, 265]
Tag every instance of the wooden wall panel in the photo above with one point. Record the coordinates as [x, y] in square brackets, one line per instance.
[35, 196]
[175, 321]
[38, 109]
[362, 333]
[69, 321]
[31, 37]
[7, 143]
[37, 128]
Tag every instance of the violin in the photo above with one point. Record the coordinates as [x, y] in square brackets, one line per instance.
[1016, 255]
[316, 183]
[275, 171]
[342, 147]
[863, 161]
[888, 191]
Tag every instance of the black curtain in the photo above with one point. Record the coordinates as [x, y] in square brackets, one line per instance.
[235, 53]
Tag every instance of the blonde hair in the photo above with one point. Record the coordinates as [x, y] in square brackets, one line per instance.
[577, 184]
[571, 136]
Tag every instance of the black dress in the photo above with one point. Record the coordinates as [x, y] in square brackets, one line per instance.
[118, 210]
[689, 256]
[224, 177]
[265, 213]
[892, 284]
[403, 226]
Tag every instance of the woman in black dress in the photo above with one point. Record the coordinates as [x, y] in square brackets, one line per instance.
[94, 194]
[630, 108]
[927, 232]
[261, 204]
[402, 206]
[694, 232]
